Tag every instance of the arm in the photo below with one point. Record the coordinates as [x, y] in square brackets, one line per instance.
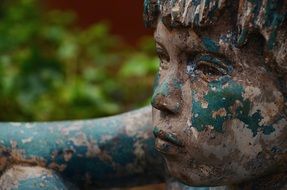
[109, 152]
[32, 178]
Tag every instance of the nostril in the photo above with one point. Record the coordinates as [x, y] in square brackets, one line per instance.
[156, 102]
[165, 104]
[166, 98]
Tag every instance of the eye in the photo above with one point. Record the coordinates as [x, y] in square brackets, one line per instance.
[162, 54]
[208, 67]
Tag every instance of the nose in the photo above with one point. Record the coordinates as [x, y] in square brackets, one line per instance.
[167, 96]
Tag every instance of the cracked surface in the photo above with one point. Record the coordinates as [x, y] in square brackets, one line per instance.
[229, 113]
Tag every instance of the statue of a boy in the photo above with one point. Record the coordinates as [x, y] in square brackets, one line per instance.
[220, 101]
[219, 110]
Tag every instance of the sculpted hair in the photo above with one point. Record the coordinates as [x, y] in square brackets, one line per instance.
[268, 17]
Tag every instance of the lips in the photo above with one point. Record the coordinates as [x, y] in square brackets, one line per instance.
[168, 137]
[165, 147]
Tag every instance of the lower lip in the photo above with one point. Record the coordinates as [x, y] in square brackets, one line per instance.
[166, 147]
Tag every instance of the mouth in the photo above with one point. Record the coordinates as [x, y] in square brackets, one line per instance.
[167, 137]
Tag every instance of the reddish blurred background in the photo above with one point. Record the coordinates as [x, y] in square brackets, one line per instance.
[125, 17]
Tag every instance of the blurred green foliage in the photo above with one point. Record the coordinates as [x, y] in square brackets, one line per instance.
[51, 70]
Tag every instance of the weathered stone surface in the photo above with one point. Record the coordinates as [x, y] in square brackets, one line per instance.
[220, 99]
[219, 110]
[109, 152]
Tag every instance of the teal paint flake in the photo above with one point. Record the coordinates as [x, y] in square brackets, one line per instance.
[196, 2]
[161, 90]
[121, 149]
[270, 12]
[256, 9]
[210, 45]
[242, 37]
[268, 130]
[44, 182]
[219, 97]
[276, 22]
[177, 83]
[49, 142]
[203, 116]
[156, 82]
[164, 89]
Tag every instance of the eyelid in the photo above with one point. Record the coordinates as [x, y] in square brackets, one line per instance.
[221, 70]
[162, 52]
[222, 64]
[161, 47]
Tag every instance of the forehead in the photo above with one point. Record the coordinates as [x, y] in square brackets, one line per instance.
[179, 37]
[206, 39]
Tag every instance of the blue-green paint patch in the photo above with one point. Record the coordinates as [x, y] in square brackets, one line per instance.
[242, 38]
[210, 45]
[268, 130]
[196, 2]
[106, 161]
[44, 182]
[257, 4]
[177, 83]
[161, 90]
[121, 149]
[272, 37]
[224, 94]
[156, 82]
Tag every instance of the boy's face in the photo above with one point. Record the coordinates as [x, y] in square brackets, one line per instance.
[218, 110]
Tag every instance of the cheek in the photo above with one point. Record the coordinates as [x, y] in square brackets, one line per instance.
[226, 100]
[220, 102]
[266, 103]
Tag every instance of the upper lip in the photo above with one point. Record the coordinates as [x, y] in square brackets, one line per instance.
[169, 137]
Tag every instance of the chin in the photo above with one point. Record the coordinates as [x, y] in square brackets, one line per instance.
[196, 180]
[196, 174]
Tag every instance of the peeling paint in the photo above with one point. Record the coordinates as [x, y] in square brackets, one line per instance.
[230, 59]
[114, 151]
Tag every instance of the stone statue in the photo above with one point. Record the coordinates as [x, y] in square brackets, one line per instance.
[103, 153]
[219, 111]
[220, 98]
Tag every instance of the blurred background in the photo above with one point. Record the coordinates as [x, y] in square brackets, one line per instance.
[66, 60]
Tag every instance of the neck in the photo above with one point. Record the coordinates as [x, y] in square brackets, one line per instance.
[276, 181]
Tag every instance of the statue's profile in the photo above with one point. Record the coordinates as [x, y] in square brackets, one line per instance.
[219, 110]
